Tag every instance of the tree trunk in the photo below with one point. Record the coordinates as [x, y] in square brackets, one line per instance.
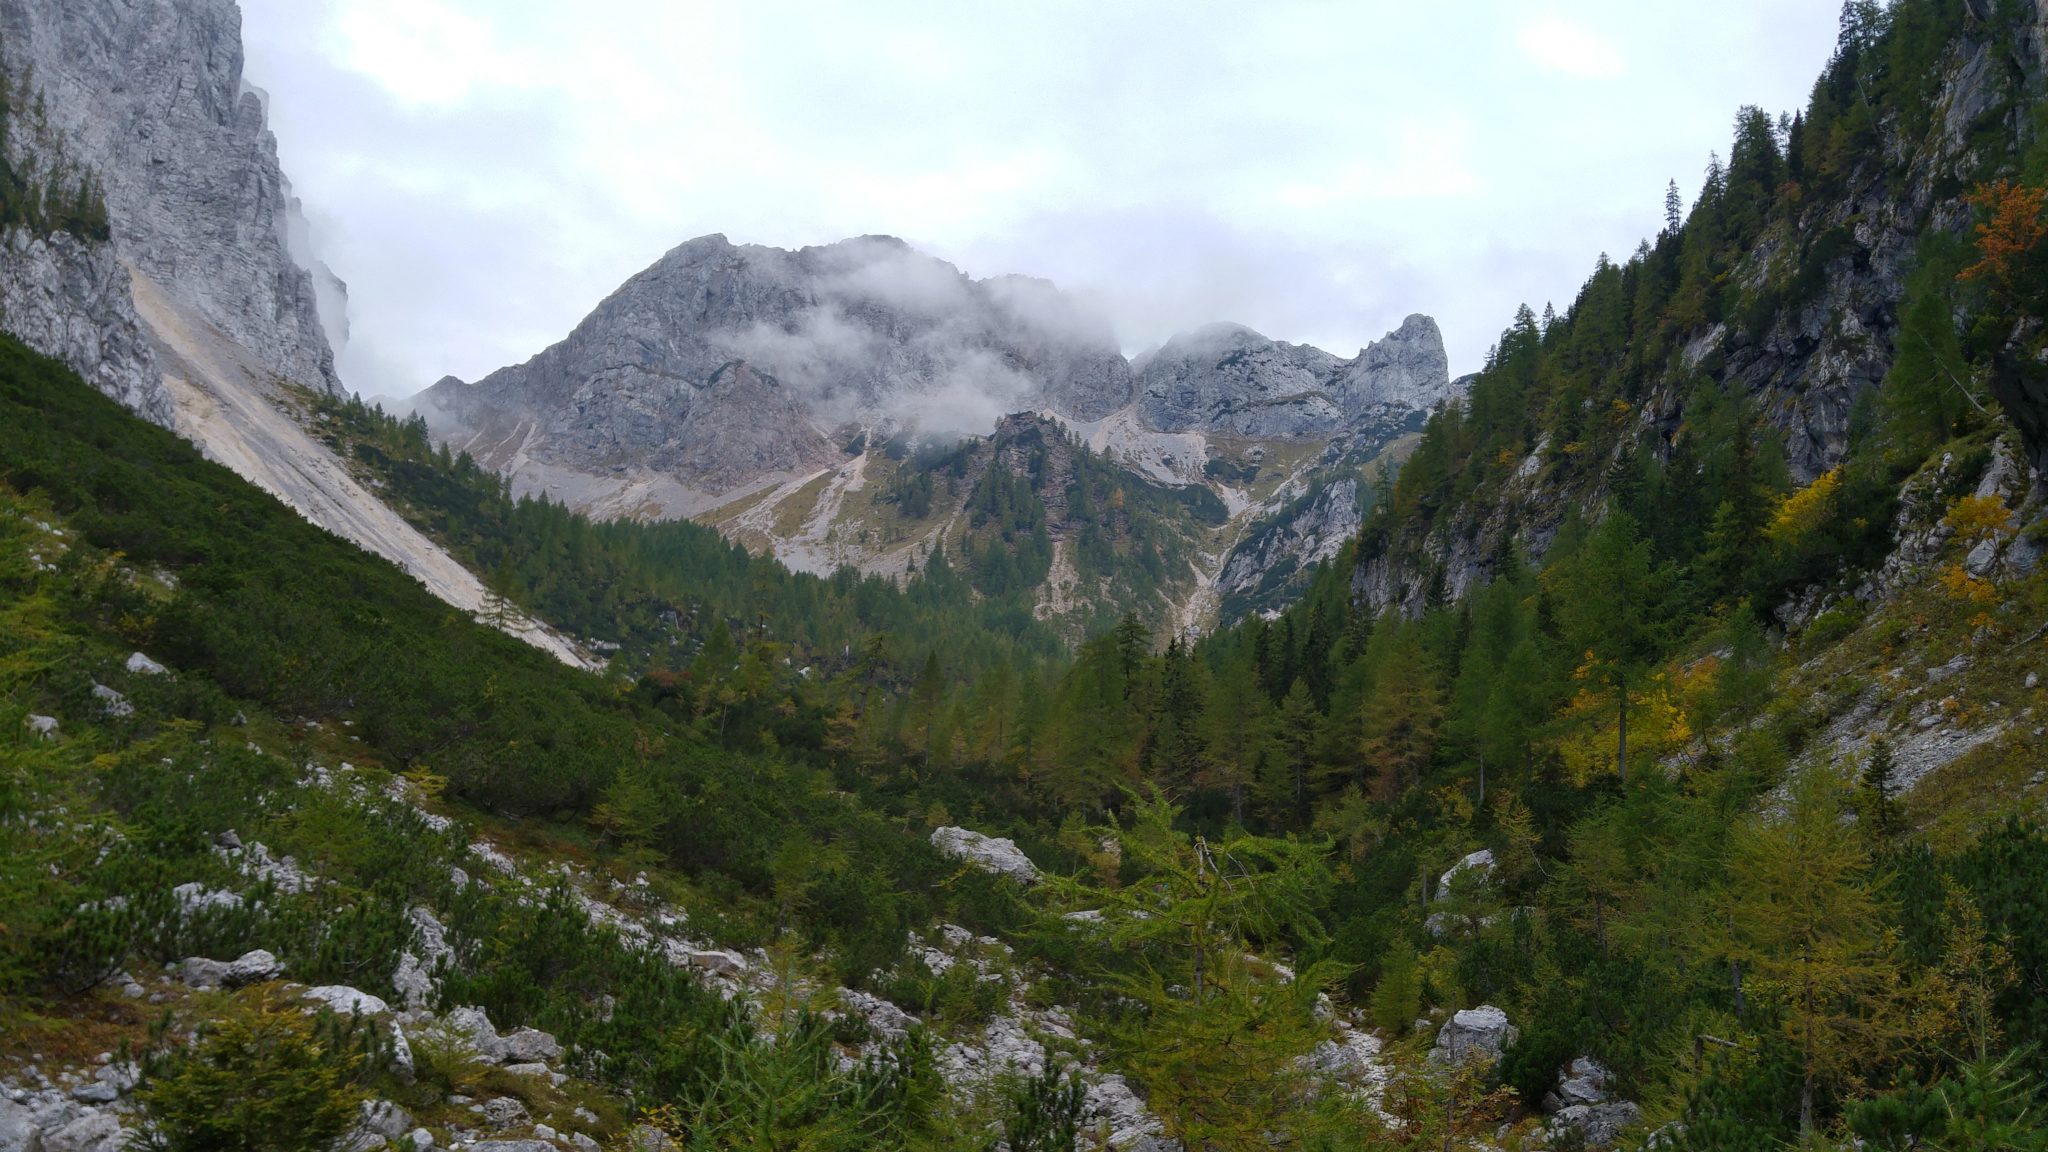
[1806, 1085]
[1621, 743]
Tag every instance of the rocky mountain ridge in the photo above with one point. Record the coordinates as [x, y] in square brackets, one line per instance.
[749, 386]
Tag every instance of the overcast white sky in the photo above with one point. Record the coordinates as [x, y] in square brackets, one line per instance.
[482, 172]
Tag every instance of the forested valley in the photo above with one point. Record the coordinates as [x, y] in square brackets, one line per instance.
[1635, 743]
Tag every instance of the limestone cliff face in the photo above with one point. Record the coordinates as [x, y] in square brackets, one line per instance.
[68, 299]
[63, 292]
[149, 96]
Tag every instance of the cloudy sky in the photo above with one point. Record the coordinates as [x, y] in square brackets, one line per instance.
[482, 172]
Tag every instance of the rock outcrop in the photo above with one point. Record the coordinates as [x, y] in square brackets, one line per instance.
[68, 299]
[1226, 379]
[1474, 1032]
[1582, 1104]
[149, 97]
[990, 854]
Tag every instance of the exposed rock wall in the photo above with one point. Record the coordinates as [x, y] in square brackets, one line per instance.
[69, 300]
[149, 95]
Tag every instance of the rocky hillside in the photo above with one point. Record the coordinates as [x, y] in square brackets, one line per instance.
[1819, 264]
[749, 387]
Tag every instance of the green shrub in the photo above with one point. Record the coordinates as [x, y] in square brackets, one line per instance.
[260, 1079]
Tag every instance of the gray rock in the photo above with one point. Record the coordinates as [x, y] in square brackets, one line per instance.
[1600, 1125]
[473, 1026]
[530, 1069]
[504, 1112]
[96, 1092]
[511, 1146]
[1583, 1081]
[889, 1021]
[1109, 1102]
[196, 897]
[718, 962]
[17, 1127]
[199, 972]
[1483, 1031]
[94, 1131]
[414, 978]
[1227, 379]
[143, 666]
[252, 967]
[402, 1065]
[421, 1139]
[112, 703]
[69, 300]
[384, 1118]
[990, 854]
[343, 1000]
[526, 1046]
[1477, 866]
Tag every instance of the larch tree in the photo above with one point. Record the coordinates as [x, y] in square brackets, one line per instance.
[1805, 917]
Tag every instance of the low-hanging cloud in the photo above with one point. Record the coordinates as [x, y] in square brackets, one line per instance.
[482, 172]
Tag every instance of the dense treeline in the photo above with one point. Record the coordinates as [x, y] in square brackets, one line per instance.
[662, 590]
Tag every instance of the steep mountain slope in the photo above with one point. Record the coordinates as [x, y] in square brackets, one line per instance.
[194, 300]
[1228, 380]
[863, 332]
[151, 98]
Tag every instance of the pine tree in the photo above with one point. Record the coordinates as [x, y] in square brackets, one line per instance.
[1877, 781]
